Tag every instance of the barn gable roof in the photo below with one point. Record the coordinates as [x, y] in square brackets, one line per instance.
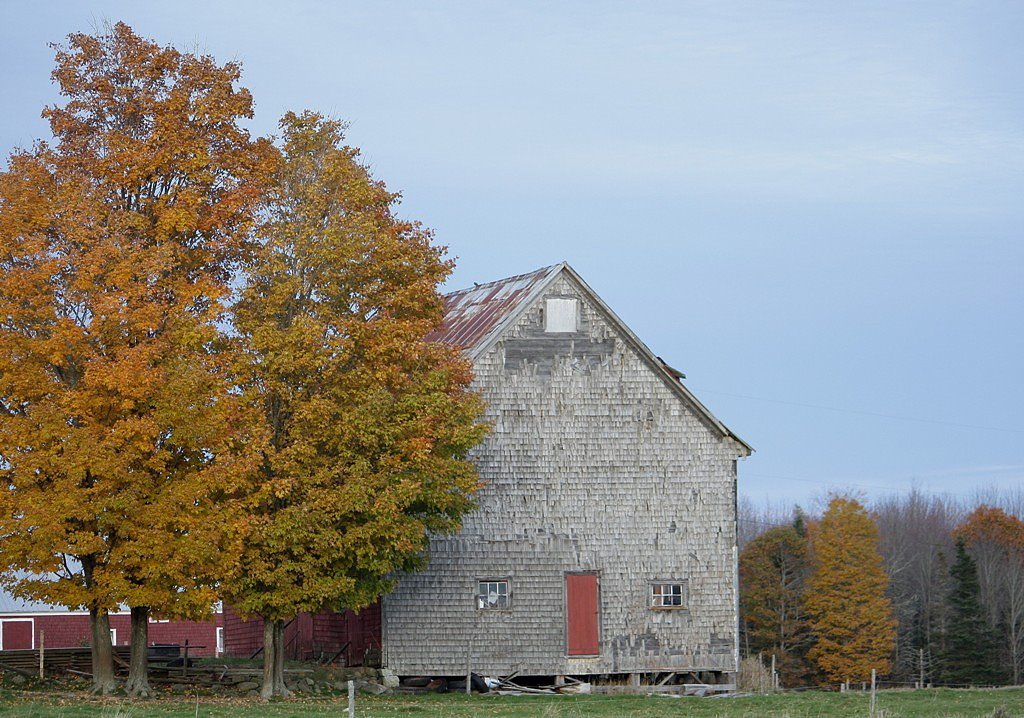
[472, 316]
[475, 318]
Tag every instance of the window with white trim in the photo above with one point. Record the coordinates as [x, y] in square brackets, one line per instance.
[220, 641]
[493, 595]
[113, 636]
[668, 594]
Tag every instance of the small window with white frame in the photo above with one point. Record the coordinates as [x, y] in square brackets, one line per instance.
[493, 594]
[668, 594]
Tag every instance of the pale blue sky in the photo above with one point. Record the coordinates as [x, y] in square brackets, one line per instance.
[813, 209]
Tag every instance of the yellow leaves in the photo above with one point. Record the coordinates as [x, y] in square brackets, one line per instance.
[369, 424]
[850, 613]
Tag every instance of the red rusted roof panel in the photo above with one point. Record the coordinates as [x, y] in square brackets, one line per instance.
[470, 315]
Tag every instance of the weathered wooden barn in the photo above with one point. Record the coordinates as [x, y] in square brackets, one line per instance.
[605, 538]
[604, 541]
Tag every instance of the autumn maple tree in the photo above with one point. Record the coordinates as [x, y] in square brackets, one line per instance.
[850, 614]
[773, 572]
[120, 430]
[368, 423]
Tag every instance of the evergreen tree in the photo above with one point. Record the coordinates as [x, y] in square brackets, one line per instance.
[995, 540]
[971, 651]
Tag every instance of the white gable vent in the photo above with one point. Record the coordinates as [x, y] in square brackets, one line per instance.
[560, 315]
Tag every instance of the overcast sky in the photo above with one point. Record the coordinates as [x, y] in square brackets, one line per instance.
[813, 209]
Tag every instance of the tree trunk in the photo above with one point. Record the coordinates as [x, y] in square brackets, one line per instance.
[273, 660]
[103, 681]
[138, 667]
[280, 688]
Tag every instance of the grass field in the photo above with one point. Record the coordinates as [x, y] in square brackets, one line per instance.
[941, 703]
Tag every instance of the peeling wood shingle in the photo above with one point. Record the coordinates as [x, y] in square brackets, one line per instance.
[597, 462]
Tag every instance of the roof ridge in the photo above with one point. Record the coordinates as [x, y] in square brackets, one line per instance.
[505, 280]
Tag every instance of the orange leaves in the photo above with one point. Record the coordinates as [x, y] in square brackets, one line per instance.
[122, 429]
[302, 459]
[773, 570]
[992, 525]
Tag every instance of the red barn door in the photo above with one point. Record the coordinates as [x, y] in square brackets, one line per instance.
[15, 635]
[582, 615]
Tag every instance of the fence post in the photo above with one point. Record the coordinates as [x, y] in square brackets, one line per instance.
[42, 649]
[872, 712]
[351, 699]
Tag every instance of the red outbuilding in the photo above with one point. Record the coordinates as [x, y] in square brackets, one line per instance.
[349, 638]
[26, 624]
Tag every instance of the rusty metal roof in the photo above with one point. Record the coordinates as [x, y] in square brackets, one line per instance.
[471, 315]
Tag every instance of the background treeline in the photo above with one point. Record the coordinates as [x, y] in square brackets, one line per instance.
[952, 590]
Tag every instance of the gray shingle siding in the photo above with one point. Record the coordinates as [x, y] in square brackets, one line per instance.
[595, 464]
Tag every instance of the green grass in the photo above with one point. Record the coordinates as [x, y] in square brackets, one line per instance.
[940, 703]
